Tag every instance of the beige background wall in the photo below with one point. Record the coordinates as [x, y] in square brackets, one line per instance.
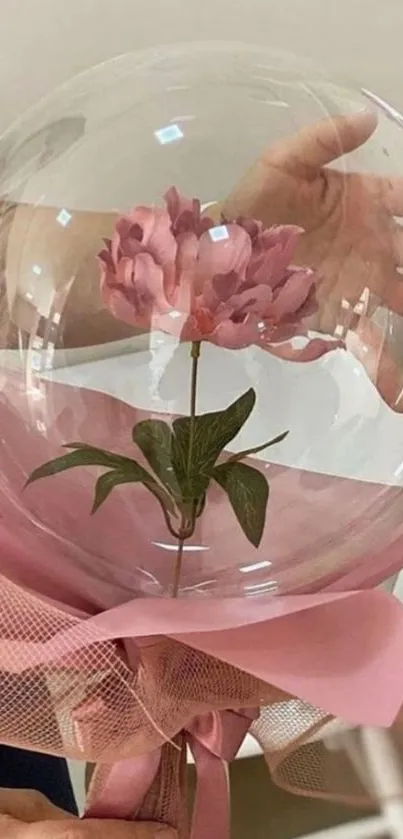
[44, 42]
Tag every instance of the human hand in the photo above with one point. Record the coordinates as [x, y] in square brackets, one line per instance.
[29, 815]
[351, 236]
[377, 344]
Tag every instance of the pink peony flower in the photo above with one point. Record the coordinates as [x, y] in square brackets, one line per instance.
[231, 284]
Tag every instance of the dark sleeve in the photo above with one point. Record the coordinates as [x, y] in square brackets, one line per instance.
[48, 775]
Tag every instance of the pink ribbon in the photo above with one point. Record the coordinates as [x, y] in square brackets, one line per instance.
[125, 788]
[214, 739]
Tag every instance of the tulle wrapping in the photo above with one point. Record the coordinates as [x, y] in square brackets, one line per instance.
[68, 692]
[92, 672]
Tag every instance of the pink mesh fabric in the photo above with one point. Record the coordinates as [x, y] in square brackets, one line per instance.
[90, 705]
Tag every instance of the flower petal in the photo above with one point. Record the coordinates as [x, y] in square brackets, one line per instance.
[206, 223]
[285, 237]
[105, 255]
[120, 307]
[235, 336]
[115, 246]
[126, 240]
[105, 258]
[284, 332]
[252, 227]
[225, 285]
[223, 250]
[107, 278]
[185, 214]
[219, 289]
[136, 292]
[180, 325]
[311, 306]
[263, 268]
[277, 244]
[148, 282]
[310, 352]
[190, 330]
[293, 294]
[253, 300]
[157, 237]
[124, 274]
[178, 204]
[184, 293]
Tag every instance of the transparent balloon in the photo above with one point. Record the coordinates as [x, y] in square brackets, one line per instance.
[231, 420]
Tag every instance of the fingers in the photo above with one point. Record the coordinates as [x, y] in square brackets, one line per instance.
[139, 830]
[392, 295]
[10, 828]
[271, 187]
[28, 806]
[390, 191]
[397, 244]
[304, 154]
[370, 347]
[99, 830]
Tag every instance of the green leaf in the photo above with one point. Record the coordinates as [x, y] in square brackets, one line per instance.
[212, 433]
[241, 455]
[84, 455]
[248, 493]
[106, 483]
[155, 440]
[201, 506]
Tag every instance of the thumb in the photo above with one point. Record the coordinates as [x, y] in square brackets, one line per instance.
[116, 830]
[142, 830]
[269, 189]
[11, 828]
[28, 806]
[369, 345]
[19, 808]
[306, 152]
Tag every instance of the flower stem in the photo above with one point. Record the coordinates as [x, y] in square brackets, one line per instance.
[178, 567]
[195, 355]
[188, 526]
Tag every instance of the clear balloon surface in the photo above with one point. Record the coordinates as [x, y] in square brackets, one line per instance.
[232, 383]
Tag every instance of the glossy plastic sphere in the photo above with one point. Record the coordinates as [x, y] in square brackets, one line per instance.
[74, 369]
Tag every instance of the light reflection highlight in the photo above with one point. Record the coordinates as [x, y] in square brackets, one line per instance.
[186, 548]
[262, 588]
[256, 566]
[169, 134]
[218, 234]
[64, 218]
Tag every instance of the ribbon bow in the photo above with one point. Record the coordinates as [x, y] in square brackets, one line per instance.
[214, 739]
